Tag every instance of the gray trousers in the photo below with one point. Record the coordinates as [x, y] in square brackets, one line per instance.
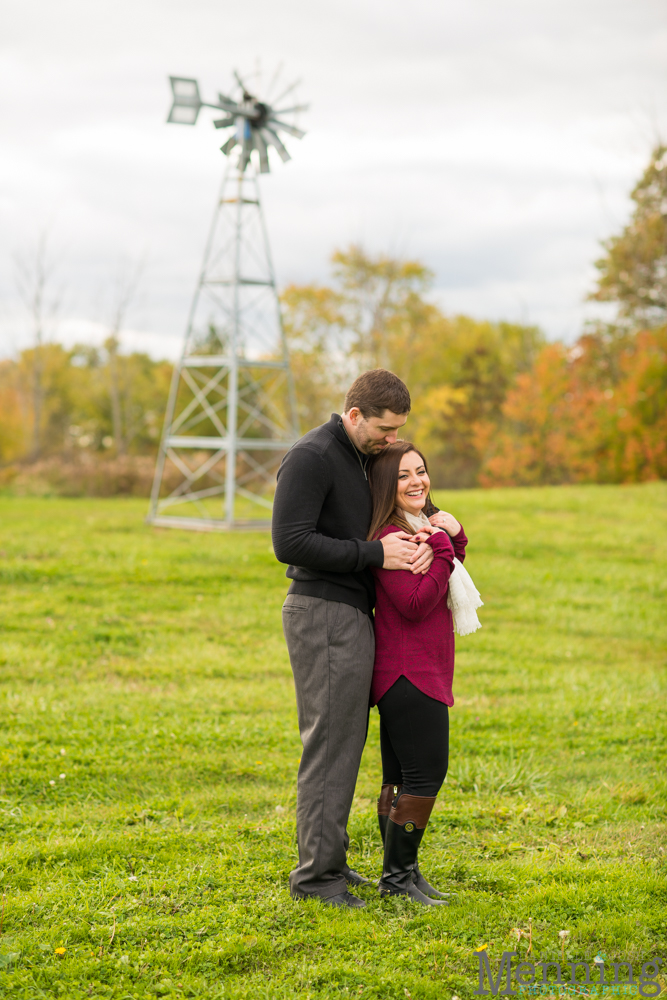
[332, 648]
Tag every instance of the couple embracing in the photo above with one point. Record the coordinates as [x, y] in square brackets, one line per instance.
[354, 520]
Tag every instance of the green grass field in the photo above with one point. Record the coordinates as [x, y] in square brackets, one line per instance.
[149, 749]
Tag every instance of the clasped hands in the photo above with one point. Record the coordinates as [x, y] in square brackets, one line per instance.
[412, 552]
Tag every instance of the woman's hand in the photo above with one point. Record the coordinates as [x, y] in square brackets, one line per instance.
[424, 534]
[447, 521]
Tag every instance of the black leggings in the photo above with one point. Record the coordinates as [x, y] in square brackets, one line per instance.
[414, 739]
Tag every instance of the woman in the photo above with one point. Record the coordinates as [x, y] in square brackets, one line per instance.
[414, 665]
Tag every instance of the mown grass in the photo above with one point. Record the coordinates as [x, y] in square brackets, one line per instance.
[149, 749]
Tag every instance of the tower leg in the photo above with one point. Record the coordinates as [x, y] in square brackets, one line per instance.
[230, 469]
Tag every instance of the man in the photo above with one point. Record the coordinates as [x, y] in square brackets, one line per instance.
[321, 516]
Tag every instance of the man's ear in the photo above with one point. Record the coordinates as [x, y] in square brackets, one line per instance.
[353, 414]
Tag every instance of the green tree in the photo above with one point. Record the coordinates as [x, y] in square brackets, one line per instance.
[461, 373]
[14, 430]
[379, 298]
[633, 272]
[76, 412]
[315, 330]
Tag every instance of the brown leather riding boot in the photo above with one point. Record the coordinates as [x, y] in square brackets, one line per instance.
[387, 796]
[406, 823]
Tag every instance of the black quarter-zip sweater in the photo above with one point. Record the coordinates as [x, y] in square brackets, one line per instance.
[321, 516]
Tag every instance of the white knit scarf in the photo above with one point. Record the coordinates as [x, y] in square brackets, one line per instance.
[463, 597]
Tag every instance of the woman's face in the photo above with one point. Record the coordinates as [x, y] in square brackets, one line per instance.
[413, 483]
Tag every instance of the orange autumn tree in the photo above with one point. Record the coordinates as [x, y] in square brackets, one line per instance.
[572, 418]
[532, 447]
[597, 412]
[640, 451]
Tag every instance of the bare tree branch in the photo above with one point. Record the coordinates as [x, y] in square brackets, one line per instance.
[34, 272]
[125, 287]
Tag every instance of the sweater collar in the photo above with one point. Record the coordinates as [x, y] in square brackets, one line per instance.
[335, 426]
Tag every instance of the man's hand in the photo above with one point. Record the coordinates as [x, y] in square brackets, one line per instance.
[422, 559]
[444, 520]
[400, 550]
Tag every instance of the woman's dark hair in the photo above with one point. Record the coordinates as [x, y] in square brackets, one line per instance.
[383, 480]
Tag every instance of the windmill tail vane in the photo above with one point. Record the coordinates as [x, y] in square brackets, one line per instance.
[257, 125]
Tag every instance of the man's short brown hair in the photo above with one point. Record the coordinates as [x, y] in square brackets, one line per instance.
[376, 391]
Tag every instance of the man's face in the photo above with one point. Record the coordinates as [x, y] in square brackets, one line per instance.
[372, 434]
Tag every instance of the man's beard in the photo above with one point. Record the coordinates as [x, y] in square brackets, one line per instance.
[368, 445]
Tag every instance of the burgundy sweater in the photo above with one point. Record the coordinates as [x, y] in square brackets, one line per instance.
[414, 632]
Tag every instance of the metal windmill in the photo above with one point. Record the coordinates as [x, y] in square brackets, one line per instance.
[231, 413]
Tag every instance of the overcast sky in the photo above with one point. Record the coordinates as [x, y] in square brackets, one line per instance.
[495, 140]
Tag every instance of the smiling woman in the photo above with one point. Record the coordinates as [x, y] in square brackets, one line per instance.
[413, 483]
[404, 465]
[414, 665]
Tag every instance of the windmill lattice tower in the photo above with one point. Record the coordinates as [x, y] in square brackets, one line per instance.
[231, 413]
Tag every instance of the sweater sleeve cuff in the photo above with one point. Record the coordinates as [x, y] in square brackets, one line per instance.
[372, 553]
[440, 540]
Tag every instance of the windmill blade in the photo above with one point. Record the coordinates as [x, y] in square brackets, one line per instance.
[289, 111]
[289, 90]
[261, 147]
[231, 107]
[240, 82]
[224, 99]
[274, 80]
[229, 145]
[255, 75]
[290, 129]
[225, 122]
[272, 139]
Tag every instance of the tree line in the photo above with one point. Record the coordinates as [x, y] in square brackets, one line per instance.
[494, 402]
